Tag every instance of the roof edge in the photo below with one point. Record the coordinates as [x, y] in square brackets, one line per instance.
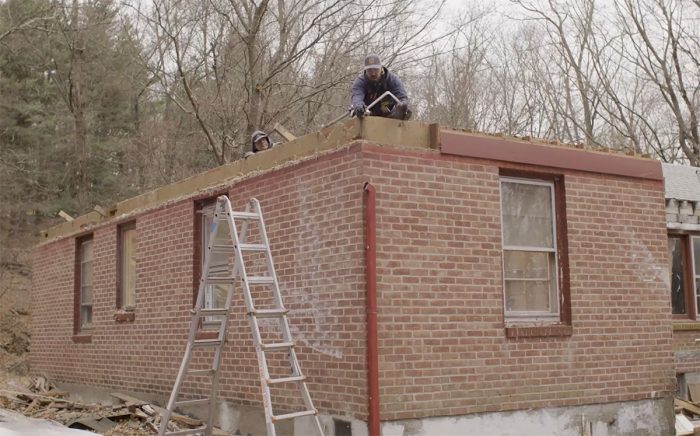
[405, 134]
[337, 136]
[508, 149]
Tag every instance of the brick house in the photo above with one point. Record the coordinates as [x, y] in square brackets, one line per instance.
[521, 287]
[682, 188]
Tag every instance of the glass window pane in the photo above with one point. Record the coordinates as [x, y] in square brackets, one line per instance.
[86, 274]
[675, 249]
[696, 254]
[86, 295]
[220, 292]
[207, 224]
[208, 296]
[526, 296]
[222, 231]
[86, 251]
[526, 265]
[129, 267]
[527, 215]
[85, 315]
[697, 299]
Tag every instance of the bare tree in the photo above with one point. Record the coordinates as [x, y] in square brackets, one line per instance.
[663, 49]
[236, 66]
[457, 93]
[570, 28]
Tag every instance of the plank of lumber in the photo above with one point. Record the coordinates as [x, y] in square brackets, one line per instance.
[176, 417]
[286, 134]
[687, 406]
[31, 396]
[129, 400]
[65, 216]
[694, 391]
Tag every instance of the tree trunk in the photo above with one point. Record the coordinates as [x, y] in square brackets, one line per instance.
[77, 102]
[255, 68]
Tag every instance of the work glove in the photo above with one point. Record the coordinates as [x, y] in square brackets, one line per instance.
[358, 111]
[401, 111]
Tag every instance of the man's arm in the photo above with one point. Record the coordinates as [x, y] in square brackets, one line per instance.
[358, 92]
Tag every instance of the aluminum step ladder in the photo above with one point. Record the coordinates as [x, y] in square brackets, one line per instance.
[229, 243]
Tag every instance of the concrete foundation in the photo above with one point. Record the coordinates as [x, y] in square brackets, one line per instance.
[637, 418]
[231, 418]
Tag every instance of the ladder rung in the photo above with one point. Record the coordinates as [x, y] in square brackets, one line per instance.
[268, 313]
[262, 280]
[207, 342]
[225, 248]
[253, 247]
[192, 402]
[296, 378]
[200, 430]
[278, 346]
[245, 215]
[200, 372]
[220, 280]
[213, 312]
[293, 415]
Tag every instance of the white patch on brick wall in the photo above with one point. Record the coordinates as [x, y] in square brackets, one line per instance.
[319, 344]
[319, 336]
[643, 262]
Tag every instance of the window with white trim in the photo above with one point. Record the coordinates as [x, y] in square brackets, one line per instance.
[529, 242]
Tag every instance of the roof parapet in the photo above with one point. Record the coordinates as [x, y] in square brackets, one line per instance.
[339, 135]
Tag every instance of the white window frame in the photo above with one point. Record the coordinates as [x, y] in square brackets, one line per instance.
[555, 294]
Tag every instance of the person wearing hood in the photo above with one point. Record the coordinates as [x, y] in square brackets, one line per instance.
[259, 142]
[374, 81]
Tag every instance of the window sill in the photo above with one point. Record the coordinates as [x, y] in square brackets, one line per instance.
[123, 316]
[82, 339]
[685, 325]
[515, 332]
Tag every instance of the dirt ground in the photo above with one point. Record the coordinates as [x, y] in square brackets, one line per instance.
[15, 285]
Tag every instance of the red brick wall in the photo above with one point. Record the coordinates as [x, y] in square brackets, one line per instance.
[687, 356]
[313, 214]
[443, 349]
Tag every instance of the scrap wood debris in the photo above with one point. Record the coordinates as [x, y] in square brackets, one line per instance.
[39, 398]
[688, 413]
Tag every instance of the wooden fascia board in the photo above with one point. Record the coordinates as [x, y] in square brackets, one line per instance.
[569, 158]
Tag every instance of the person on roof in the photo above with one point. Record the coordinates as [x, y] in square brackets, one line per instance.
[374, 81]
[259, 142]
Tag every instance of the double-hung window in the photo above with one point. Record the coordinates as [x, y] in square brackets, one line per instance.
[84, 285]
[127, 266]
[530, 252]
[214, 295]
